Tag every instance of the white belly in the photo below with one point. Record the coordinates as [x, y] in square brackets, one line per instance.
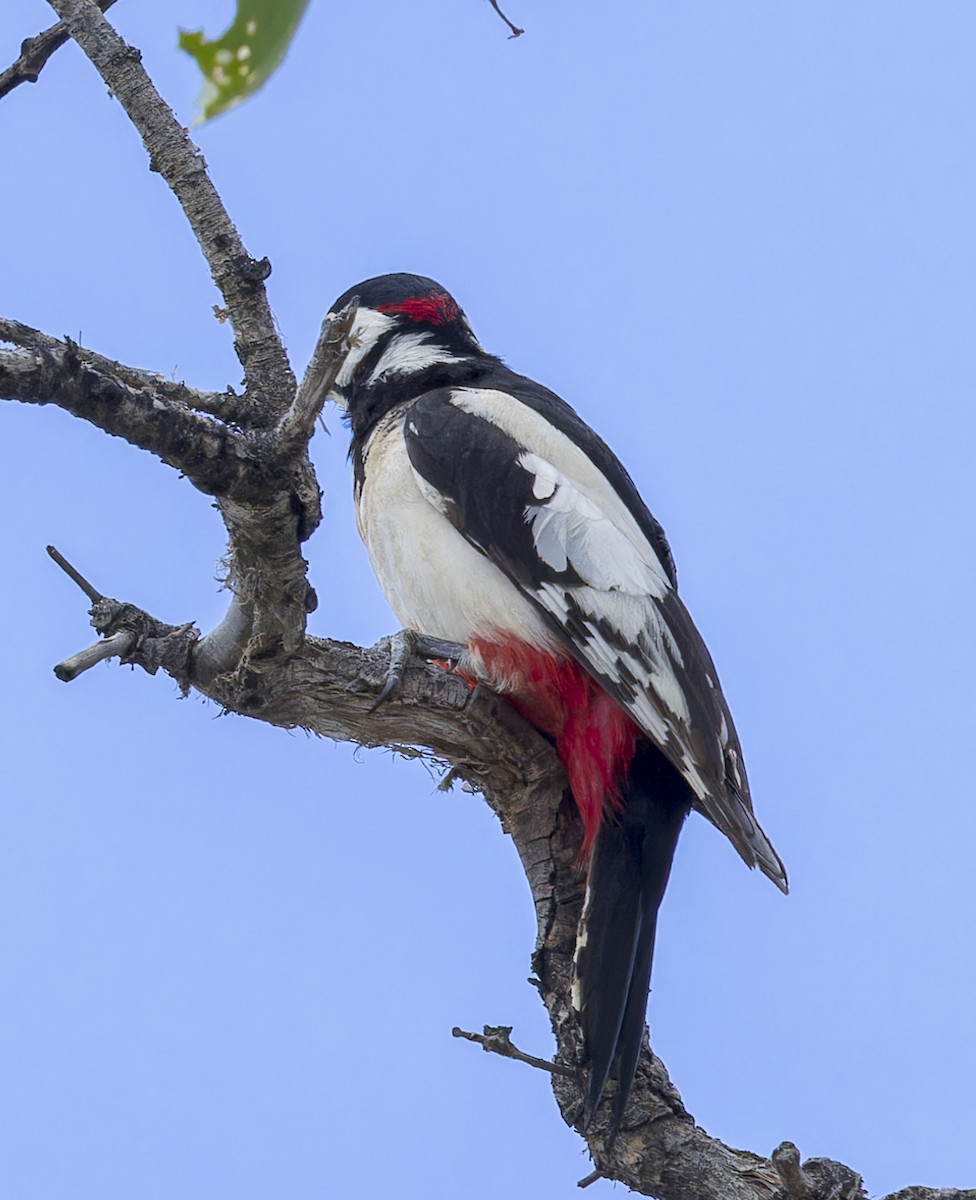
[435, 582]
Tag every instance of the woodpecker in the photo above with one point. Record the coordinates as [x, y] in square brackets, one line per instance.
[495, 518]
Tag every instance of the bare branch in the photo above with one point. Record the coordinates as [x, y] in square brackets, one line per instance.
[246, 471]
[224, 405]
[118, 645]
[240, 278]
[268, 495]
[328, 687]
[251, 454]
[516, 32]
[35, 52]
[266, 487]
[75, 576]
[62, 373]
[297, 424]
[496, 1039]
[786, 1159]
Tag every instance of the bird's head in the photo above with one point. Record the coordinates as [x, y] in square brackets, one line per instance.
[407, 330]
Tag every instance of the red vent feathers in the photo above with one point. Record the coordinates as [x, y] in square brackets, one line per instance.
[595, 738]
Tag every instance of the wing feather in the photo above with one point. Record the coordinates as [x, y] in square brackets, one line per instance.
[566, 540]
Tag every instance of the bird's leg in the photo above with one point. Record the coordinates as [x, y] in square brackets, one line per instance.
[409, 644]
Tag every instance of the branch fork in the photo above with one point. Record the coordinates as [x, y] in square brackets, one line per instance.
[129, 634]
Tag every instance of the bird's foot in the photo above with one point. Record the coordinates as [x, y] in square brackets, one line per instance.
[408, 644]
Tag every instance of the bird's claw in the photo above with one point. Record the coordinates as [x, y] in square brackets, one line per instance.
[402, 647]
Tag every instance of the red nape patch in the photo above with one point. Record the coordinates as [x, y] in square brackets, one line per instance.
[595, 737]
[434, 308]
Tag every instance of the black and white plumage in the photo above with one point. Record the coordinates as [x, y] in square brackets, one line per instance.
[496, 518]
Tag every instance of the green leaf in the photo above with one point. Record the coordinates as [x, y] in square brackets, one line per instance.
[239, 62]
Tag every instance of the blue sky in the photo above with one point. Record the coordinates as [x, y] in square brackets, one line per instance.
[739, 238]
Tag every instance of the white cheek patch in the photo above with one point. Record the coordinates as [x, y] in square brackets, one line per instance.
[368, 327]
[408, 353]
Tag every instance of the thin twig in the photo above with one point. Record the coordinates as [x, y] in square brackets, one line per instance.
[447, 783]
[117, 644]
[212, 455]
[516, 32]
[298, 423]
[239, 277]
[34, 53]
[93, 594]
[224, 405]
[591, 1178]
[496, 1039]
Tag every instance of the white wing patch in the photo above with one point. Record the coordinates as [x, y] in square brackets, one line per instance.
[560, 454]
[620, 586]
[645, 671]
[616, 605]
[570, 528]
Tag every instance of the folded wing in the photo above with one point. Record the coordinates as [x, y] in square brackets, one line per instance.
[528, 498]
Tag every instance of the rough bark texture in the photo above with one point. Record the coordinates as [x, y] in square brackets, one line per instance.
[34, 53]
[250, 453]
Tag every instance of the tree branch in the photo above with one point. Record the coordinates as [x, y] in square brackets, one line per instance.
[328, 688]
[258, 662]
[265, 486]
[323, 367]
[497, 1039]
[117, 645]
[240, 278]
[252, 456]
[211, 455]
[223, 405]
[923, 1193]
[34, 53]
[516, 32]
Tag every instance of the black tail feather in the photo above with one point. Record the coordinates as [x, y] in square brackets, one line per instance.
[627, 876]
[608, 947]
